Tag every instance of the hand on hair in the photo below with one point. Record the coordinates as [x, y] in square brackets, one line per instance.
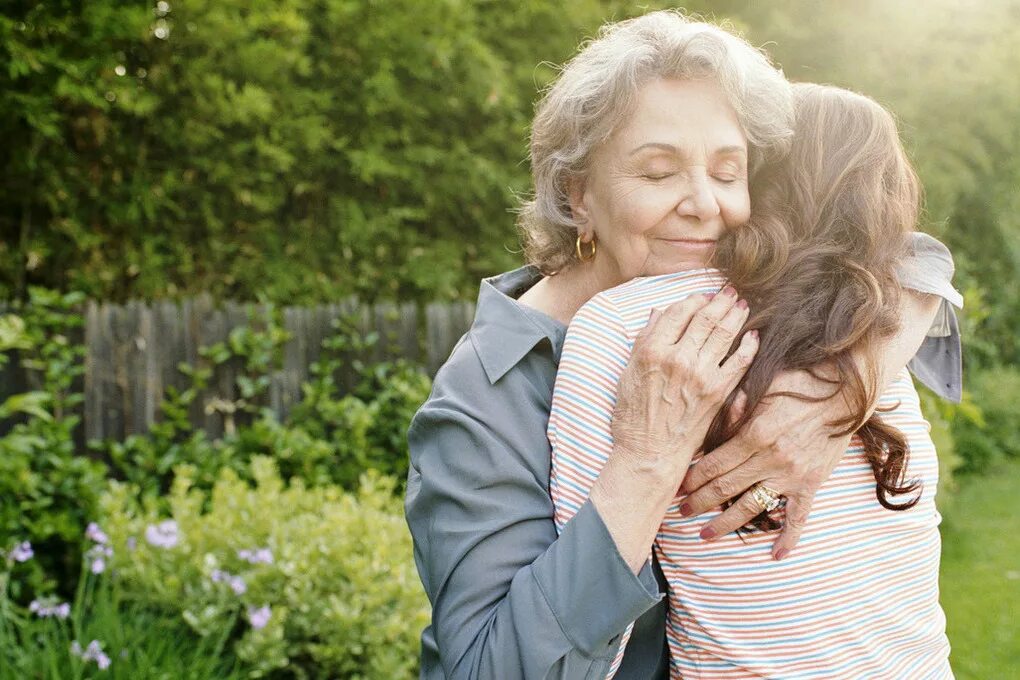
[787, 447]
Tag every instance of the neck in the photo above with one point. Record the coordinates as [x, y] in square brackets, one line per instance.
[562, 294]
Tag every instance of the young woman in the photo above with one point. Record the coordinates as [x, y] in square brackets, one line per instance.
[817, 263]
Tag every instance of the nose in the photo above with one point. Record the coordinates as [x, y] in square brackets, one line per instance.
[698, 200]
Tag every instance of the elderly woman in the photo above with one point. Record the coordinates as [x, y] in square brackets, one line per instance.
[511, 598]
[817, 261]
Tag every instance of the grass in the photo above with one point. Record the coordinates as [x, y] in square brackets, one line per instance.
[980, 581]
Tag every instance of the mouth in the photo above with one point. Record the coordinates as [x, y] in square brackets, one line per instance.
[691, 242]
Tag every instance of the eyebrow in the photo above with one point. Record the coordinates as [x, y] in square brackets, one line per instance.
[671, 148]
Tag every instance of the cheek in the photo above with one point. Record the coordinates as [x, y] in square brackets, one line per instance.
[640, 210]
[735, 208]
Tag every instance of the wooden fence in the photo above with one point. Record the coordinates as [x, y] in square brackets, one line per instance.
[133, 351]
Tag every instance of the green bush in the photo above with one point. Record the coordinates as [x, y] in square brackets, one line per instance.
[47, 492]
[994, 435]
[338, 579]
[329, 437]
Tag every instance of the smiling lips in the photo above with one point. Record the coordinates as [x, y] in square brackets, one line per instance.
[691, 242]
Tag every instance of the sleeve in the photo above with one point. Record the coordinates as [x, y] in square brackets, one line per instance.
[510, 598]
[929, 269]
[595, 352]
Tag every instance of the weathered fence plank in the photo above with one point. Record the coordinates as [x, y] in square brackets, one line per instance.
[133, 352]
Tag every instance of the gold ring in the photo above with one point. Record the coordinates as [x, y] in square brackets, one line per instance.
[766, 498]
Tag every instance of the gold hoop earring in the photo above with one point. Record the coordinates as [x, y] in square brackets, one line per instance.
[580, 255]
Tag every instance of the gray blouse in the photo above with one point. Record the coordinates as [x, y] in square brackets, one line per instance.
[509, 598]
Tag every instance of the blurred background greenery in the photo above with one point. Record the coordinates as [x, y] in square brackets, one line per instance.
[299, 151]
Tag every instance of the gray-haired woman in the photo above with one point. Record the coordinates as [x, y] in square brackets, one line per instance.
[509, 598]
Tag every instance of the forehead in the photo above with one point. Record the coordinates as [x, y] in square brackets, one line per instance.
[685, 113]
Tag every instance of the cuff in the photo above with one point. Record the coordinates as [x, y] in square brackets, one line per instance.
[938, 363]
[591, 591]
[929, 269]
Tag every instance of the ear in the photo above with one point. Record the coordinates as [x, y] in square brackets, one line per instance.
[578, 204]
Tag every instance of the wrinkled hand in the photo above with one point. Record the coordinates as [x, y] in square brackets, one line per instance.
[786, 446]
[674, 384]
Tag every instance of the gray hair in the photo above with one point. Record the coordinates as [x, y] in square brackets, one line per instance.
[594, 92]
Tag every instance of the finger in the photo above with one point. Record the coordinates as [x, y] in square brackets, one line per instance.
[735, 516]
[720, 341]
[721, 487]
[707, 318]
[737, 408]
[719, 462]
[734, 368]
[672, 322]
[798, 509]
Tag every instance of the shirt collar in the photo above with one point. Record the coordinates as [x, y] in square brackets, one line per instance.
[505, 331]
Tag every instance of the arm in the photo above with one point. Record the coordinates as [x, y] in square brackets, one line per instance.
[595, 352]
[510, 598]
[788, 446]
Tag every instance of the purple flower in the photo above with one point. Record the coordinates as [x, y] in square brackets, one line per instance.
[61, 611]
[98, 554]
[94, 652]
[94, 533]
[257, 556]
[259, 617]
[162, 535]
[132, 542]
[238, 585]
[22, 552]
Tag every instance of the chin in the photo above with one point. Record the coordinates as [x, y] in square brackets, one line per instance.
[675, 265]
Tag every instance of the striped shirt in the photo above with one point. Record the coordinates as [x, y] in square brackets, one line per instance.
[857, 598]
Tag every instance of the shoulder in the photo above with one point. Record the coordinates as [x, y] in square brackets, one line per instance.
[627, 306]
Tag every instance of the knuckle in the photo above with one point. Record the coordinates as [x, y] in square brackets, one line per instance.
[722, 488]
[759, 432]
[796, 521]
[712, 315]
[787, 458]
[707, 468]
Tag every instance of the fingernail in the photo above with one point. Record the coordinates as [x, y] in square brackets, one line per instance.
[709, 295]
[685, 509]
[708, 533]
[742, 304]
[754, 334]
[729, 290]
[781, 553]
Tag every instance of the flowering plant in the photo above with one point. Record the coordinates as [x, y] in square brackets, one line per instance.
[318, 580]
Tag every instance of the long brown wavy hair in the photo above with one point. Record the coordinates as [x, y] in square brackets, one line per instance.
[817, 263]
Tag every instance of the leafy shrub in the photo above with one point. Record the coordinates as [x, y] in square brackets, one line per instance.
[994, 433]
[329, 437]
[336, 577]
[47, 493]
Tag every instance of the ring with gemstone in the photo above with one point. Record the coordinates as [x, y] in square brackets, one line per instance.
[766, 498]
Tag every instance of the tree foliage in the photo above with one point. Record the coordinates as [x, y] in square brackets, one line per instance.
[308, 149]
